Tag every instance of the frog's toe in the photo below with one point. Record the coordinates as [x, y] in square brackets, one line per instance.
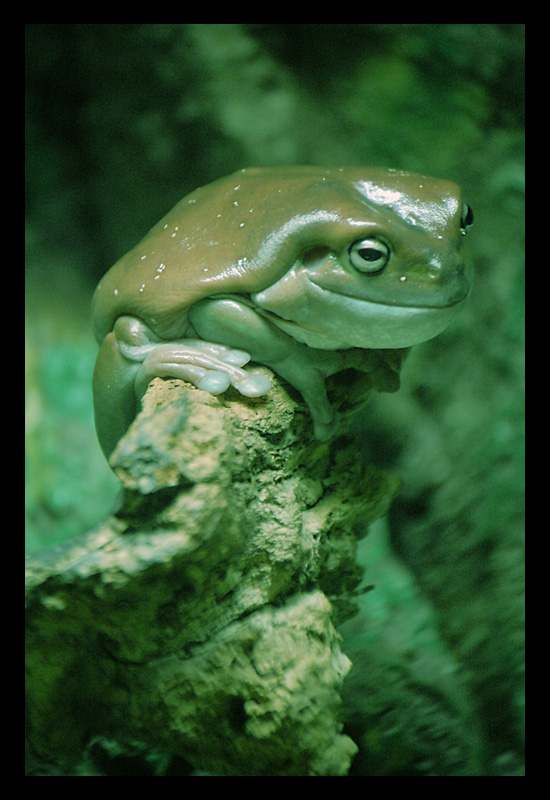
[214, 382]
[253, 385]
[236, 358]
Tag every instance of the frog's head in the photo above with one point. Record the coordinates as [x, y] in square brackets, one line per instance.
[385, 270]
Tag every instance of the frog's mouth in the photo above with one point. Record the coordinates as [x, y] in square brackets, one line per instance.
[441, 290]
[329, 320]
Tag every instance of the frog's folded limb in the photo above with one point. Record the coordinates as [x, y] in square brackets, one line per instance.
[132, 356]
[206, 365]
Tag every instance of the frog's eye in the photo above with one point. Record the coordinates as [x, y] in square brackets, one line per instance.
[467, 219]
[369, 256]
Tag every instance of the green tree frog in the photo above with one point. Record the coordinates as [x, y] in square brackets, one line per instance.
[308, 270]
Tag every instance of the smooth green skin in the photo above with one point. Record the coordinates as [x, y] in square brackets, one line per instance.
[257, 266]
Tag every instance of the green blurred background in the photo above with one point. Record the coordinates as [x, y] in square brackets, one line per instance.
[122, 121]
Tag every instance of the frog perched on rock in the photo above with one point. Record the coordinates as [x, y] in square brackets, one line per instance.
[308, 270]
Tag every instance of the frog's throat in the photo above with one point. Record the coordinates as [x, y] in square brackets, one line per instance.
[348, 322]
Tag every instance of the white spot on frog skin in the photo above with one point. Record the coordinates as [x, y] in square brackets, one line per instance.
[403, 278]
[185, 243]
[143, 258]
[115, 292]
[434, 268]
[142, 287]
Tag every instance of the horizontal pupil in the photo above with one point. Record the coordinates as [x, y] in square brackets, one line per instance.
[370, 254]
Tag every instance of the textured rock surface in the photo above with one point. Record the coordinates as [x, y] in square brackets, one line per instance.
[199, 618]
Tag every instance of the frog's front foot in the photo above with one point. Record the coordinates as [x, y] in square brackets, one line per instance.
[208, 366]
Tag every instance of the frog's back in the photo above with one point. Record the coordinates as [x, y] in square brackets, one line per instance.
[172, 266]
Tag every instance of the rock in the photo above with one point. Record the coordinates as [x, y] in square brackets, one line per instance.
[199, 618]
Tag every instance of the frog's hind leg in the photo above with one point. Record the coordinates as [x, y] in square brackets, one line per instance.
[115, 402]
